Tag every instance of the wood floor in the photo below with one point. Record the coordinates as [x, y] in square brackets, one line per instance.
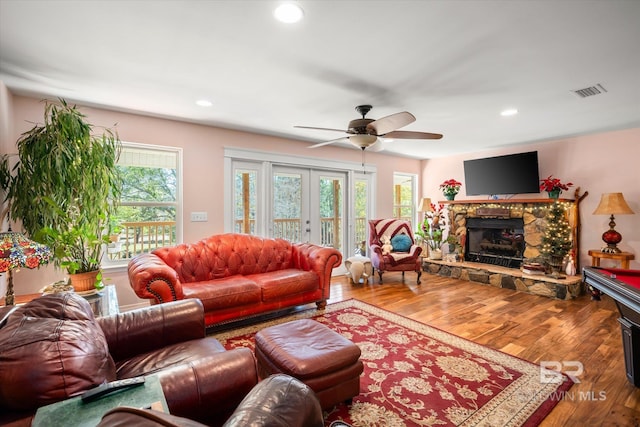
[523, 325]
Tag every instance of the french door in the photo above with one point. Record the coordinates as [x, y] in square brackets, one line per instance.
[308, 205]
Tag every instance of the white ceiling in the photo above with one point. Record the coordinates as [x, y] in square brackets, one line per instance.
[453, 64]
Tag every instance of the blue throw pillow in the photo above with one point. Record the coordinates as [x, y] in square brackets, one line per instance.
[401, 243]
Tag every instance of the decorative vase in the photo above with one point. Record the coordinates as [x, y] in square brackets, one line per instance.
[450, 196]
[554, 194]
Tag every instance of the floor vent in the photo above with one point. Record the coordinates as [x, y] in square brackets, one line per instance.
[590, 91]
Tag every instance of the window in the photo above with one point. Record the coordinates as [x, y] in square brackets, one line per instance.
[404, 196]
[149, 214]
[246, 200]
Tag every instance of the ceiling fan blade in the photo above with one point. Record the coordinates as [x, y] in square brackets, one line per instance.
[390, 123]
[406, 134]
[315, 128]
[344, 139]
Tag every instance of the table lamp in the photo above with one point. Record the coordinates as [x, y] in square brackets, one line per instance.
[612, 204]
[17, 251]
[425, 205]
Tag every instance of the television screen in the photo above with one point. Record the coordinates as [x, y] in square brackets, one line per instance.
[510, 174]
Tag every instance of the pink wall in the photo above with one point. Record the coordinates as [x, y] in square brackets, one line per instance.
[599, 163]
[203, 149]
[578, 159]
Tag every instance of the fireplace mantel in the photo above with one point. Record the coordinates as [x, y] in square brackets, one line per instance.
[502, 201]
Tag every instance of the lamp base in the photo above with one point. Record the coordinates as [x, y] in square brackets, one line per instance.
[610, 249]
[611, 237]
[9, 298]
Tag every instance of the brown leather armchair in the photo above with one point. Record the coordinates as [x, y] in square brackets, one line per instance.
[53, 348]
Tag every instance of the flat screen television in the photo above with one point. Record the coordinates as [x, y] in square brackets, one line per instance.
[510, 174]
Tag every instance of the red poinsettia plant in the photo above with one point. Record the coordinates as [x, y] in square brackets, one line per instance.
[450, 186]
[553, 184]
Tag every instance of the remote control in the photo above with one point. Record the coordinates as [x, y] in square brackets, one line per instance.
[106, 388]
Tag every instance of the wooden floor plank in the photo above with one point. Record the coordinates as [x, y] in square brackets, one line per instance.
[531, 327]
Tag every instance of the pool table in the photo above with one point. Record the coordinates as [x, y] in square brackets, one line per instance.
[623, 286]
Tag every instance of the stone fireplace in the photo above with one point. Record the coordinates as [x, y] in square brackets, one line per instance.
[493, 231]
[496, 236]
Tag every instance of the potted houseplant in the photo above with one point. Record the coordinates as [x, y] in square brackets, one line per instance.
[66, 186]
[553, 186]
[435, 244]
[450, 188]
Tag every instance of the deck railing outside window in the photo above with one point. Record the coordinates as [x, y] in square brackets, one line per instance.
[138, 237]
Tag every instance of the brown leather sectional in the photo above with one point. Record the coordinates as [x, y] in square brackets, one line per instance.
[53, 348]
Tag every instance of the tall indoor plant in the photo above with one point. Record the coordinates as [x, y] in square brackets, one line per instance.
[66, 185]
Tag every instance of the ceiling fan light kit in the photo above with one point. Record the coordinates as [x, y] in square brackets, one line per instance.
[363, 141]
[364, 132]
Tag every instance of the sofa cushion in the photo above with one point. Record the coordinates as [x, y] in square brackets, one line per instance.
[167, 357]
[278, 284]
[54, 349]
[224, 293]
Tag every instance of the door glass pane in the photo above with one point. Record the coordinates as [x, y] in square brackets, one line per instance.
[287, 206]
[360, 212]
[246, 199]
[331, 212]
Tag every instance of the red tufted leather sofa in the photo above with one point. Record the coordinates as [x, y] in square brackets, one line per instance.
[236, 276]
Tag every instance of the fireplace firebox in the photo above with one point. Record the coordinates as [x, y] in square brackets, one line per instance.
[497, 241]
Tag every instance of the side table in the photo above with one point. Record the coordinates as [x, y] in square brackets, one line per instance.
[103, 303]
[624, 258]
[596, 255]
[74, 412]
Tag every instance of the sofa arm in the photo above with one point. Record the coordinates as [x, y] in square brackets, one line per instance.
[209, 389]
[319, 259]
[278, 400]
[150, 328]
[150, 277]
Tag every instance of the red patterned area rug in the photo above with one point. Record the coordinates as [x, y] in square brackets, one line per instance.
[417, 375]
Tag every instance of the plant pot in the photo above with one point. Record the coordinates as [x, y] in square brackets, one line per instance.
[84, 282]
[554, 194]
[435, 254]
[450, 196]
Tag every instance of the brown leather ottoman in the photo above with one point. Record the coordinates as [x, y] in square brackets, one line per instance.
[319, 357]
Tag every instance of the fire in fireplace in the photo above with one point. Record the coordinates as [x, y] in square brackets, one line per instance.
[495, 241]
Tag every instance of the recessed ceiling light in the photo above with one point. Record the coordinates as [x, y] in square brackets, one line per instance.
[204, 103]
[509, 112]
[288, 13]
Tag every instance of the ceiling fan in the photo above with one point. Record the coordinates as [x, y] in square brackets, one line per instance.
[364, 133]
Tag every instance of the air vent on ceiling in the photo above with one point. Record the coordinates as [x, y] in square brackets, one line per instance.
[590, 91]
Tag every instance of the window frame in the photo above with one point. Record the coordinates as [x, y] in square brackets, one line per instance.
[121, 264]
